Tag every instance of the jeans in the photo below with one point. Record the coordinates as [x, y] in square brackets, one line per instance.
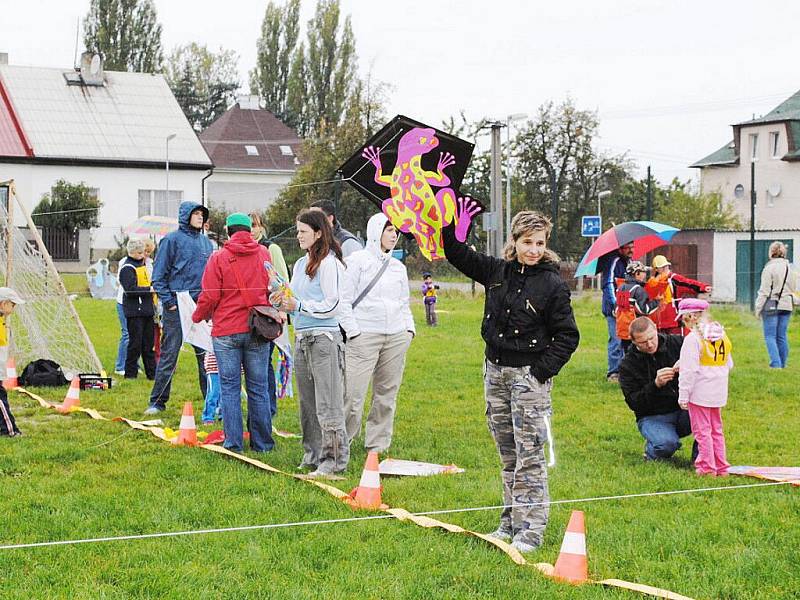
[775, 327]
[272, 391]
[663, 433]
[122, 350]
[233, 353]
[211, 405]
[171, 342]
[614, 347]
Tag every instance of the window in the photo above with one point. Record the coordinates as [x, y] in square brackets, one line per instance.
[286, 150]
[155, 202]
[774, 144]
[754, 146]
[251, 150]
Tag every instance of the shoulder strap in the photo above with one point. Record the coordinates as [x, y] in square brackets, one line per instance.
[372, 283]
[784, 281]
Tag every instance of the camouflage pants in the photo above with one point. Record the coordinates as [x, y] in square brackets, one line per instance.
[517, 411]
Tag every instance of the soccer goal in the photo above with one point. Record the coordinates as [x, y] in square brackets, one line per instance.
[47, 325]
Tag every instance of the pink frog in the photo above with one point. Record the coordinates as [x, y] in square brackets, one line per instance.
[412, 206]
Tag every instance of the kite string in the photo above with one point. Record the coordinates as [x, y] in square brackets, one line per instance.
[389, 516]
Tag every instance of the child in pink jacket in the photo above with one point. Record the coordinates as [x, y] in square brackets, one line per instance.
[703, 385]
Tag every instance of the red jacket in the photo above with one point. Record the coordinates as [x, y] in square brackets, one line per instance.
[221, 300]
[681, 288]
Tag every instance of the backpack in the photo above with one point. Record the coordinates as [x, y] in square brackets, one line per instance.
[43, 372]
[625, 312]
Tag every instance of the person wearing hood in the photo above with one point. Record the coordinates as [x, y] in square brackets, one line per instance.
[530, 334]
[379, 328]
[180, 261]
[233, 281]
[705, 363]
[316, 306]
[350, 243]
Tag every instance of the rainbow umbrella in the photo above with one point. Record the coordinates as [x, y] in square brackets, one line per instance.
[152, 225]
[645, 236]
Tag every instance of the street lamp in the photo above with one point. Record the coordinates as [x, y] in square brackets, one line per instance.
[169, 137]
[601, 196]
[511, 119]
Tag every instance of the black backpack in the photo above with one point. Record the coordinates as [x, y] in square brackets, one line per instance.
[43, 372]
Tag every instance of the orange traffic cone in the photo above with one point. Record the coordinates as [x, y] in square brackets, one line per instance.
[572, 565]
[187, 434]
[72, 399]
[368, 493]
[10, 382]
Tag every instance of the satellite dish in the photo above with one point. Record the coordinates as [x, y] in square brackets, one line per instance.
[738, 191]
[94, 67]
[774, 190]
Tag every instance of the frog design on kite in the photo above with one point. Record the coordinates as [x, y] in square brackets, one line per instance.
[412, 206]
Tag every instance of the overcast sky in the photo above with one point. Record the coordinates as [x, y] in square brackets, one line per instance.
[668, 78]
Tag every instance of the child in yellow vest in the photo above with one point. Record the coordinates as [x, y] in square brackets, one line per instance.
[8, 300]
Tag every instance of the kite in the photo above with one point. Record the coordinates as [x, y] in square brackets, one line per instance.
[412, 172]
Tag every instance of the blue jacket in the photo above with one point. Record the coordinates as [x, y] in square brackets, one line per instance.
[181, 258]
[613, 268]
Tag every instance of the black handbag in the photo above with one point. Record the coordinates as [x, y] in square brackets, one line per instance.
[265, 322]
[770, 308]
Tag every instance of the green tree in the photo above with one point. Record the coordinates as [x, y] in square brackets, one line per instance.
[688, 210]
[68, 206]
[126, 32]
[204, 82]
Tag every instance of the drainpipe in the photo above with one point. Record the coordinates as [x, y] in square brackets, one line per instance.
[203, 186]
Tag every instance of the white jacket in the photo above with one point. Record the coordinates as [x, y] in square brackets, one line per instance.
[385, 308]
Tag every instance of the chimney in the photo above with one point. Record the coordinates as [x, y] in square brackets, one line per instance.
[3, 58]
[249, 102]
[92, 69]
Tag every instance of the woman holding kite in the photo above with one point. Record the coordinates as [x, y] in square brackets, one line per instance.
[530, 334]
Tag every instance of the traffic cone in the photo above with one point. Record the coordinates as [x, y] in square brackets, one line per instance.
[572, 565]
[187, 434]
[368, 493]
[72, 399]
[10, 382]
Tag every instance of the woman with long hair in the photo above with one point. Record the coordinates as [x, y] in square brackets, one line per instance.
[317, 280]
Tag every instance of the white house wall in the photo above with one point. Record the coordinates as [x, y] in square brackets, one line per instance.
[724, 277]
[118, 190]
[771, 213]
[240, 191]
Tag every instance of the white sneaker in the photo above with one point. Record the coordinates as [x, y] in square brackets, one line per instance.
[501, 534]
[119, 372]
[524, 547]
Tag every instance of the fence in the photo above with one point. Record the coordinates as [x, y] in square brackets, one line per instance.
[63, 244]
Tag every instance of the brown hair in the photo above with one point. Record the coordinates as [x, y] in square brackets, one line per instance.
[524, 222]
[318, 222]
[640, 325]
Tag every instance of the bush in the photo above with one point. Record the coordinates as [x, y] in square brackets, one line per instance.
[69, 206]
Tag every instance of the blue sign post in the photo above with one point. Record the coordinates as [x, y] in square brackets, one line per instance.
[591, 226]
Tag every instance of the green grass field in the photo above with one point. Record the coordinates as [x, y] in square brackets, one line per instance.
[72, 477]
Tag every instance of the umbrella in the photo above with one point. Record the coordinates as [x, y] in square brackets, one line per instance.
[151, 225]
[645, 236]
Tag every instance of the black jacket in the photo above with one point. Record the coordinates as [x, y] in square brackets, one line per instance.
[637, 373]
[137, 301]
[528, 319]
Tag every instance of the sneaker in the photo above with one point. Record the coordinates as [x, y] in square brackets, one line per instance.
[153, 410]
[501, 534]
[613, 378]
[321, 475]
[119, 372]
[207, 423]
[524, 547]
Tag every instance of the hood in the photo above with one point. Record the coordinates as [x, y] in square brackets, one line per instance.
[713, 331]
[242, 244]
[185, 211]
[375, 227]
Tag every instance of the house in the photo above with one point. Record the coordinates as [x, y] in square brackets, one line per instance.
[254, 156]
[772, 144]
[122, 134]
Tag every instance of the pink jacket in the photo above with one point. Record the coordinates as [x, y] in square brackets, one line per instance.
[704, 366]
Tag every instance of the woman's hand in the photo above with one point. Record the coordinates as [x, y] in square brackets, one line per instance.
[289, 304]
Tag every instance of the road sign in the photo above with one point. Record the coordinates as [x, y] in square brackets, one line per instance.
[591, 226]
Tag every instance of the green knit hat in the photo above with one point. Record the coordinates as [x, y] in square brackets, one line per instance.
[239, 219]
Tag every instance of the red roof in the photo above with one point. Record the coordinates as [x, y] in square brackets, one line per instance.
[225, 140]
[13, 141]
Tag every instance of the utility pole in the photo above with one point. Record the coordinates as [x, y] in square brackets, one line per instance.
[554, 210]
[649, 195]
[496, 190]
[752, 235]
[337, 192]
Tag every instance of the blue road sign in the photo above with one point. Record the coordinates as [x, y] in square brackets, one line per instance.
[591, 226]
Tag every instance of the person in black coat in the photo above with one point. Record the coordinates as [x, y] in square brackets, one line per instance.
[138, 306]
[530, 333]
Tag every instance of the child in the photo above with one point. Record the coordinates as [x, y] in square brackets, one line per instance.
[530, 334]
[211, 409]
[429, 298]
[632, 301]
[8, 300]
[137, 304]
[703, 385]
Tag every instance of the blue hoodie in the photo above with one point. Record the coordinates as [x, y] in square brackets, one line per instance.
[181, 258]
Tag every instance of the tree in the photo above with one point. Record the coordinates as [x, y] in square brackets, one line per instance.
[69, 206]
[126, 33]
[687, 210]
[204, 82]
